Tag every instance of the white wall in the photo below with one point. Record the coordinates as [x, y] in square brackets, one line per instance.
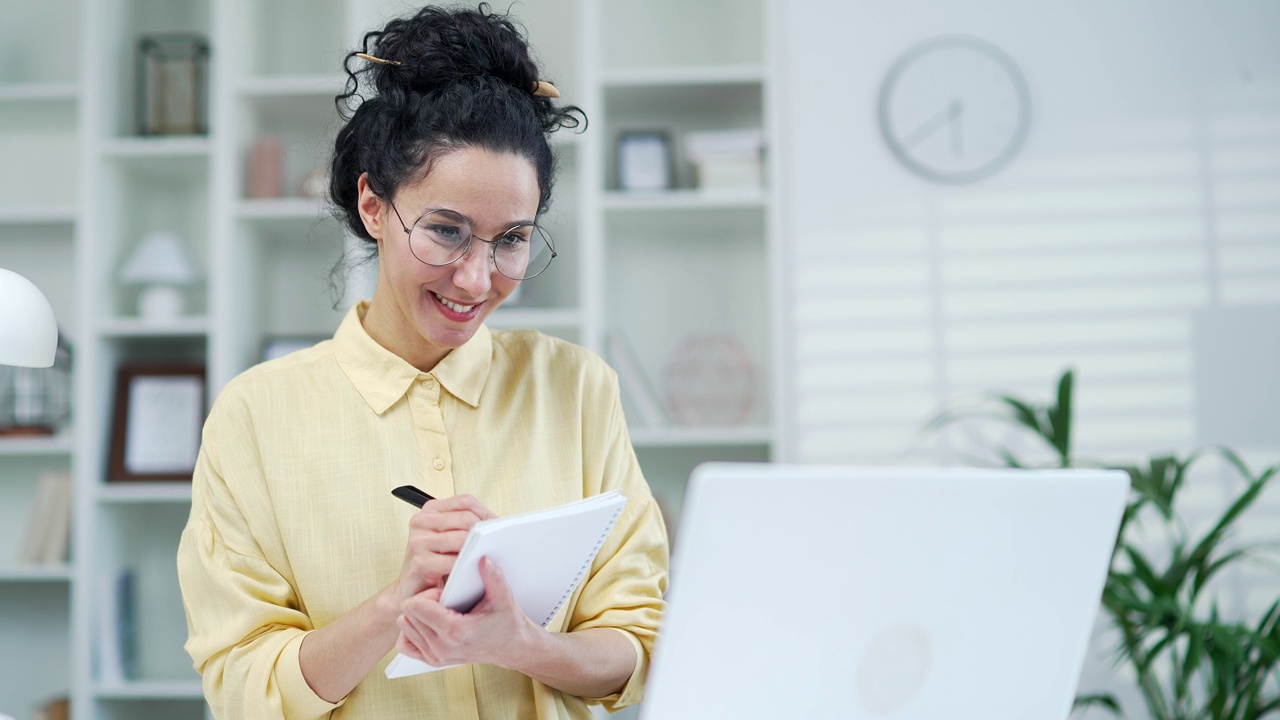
[1142, 213]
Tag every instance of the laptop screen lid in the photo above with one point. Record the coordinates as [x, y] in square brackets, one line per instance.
[868, 593]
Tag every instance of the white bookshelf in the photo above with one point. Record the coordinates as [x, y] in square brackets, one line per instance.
[41, 110]
[87, 188]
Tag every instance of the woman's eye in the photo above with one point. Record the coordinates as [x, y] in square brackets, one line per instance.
[448, 233]
[513, 239]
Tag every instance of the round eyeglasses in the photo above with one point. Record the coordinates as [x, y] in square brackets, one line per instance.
[442, 237]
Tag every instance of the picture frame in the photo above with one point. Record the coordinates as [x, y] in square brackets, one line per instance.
[156, 422]
[275, 346]
[645, 161]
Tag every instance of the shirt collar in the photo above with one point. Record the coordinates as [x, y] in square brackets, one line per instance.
[382, 377]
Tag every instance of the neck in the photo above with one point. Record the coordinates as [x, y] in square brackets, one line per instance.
[390, 329]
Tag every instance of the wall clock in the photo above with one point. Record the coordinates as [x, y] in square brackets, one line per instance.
[954, 109]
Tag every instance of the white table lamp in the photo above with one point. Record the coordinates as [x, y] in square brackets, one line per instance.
[28, 329]
[160, 264]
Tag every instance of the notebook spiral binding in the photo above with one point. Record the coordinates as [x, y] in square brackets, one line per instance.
[583, 569]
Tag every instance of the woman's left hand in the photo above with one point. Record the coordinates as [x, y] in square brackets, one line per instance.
[496, 631]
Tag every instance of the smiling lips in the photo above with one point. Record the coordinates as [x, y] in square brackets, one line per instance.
[455, 307]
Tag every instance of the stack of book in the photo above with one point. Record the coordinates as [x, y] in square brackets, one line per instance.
[727, 159]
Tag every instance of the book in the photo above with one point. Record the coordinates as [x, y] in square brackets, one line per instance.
[544, 555]
[48, 532]
[116, 628]
[638, 394]
[110, 669]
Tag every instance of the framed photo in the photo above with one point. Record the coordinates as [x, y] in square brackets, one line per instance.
[274, 346]
[645, 160]
[159, 412]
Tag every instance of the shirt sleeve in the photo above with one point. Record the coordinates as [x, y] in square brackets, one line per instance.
[244, 621]
[629, 576]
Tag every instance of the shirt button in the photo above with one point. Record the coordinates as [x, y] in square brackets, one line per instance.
[429, 383]
[438, 464]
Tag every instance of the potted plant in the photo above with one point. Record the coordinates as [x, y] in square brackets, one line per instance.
[1191, 663]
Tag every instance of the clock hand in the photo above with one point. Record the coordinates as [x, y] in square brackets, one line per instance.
[928, 127]
[955, 118]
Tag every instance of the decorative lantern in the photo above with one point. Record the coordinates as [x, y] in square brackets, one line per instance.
[35, 401]
[173, 84]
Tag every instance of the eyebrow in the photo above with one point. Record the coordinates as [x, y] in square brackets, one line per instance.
[464, 216]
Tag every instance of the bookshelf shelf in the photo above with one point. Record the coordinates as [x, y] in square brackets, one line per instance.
[48, 445]
[52, 215]
[677, 75]
[747, 435]
[302, 209]
[122, 327]
[685, 199]
[145, 492]
[35, 573]
[519, 317]
[291, 86]
[140, 148]
[150, 690]
[39, 92]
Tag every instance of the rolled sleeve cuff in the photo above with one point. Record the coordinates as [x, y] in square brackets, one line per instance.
[300, 701]
[633, 691]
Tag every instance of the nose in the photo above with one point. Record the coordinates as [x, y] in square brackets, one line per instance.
[471, 273]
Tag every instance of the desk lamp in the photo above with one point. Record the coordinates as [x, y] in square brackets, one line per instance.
[160, 265]
[28, 329]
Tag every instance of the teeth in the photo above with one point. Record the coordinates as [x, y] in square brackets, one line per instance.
[452, 305]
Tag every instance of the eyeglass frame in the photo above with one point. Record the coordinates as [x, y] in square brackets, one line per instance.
[493, 244]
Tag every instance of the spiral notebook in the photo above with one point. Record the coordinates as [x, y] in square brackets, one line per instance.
[544, 555]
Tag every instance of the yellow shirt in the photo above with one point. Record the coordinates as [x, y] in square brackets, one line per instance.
[293, 522]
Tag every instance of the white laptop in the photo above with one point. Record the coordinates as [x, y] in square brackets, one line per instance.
[906, 594]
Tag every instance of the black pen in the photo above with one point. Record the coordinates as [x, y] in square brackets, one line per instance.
[412, 495]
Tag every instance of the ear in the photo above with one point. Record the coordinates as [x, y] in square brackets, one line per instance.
[372, 209]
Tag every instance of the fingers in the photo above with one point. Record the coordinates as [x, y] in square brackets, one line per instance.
[420, 623]
[469, 502]
[459, 512]
[447, 542]
[436, 533]
[418, 641]
[496, 590]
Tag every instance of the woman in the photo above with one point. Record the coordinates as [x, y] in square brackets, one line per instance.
[300, 573]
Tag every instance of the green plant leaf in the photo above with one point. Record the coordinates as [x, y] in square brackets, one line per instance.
[1203, 575]
[1197, 559]
[1027, 416]
[1009, 458]
[1103, 700]
[1059, 417]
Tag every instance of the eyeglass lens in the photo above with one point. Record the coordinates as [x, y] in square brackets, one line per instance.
[442, 237]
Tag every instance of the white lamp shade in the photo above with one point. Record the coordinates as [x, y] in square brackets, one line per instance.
[28, 329]
[159, 258]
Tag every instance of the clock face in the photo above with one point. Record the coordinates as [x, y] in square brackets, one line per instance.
[954, 109]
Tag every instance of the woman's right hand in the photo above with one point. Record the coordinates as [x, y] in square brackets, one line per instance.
[436, 534]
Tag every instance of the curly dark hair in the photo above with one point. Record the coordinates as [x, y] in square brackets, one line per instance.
[465, 78]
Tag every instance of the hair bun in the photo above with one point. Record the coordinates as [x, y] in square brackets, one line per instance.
[438, 48]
